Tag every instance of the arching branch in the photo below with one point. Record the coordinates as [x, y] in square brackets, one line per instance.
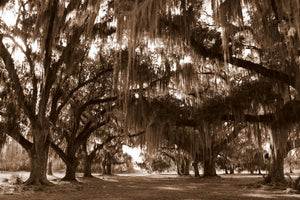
[19, 91]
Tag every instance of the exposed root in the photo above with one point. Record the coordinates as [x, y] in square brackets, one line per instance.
[74, 180]
[38, 182]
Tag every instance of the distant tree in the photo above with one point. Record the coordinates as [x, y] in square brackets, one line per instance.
[90, 156]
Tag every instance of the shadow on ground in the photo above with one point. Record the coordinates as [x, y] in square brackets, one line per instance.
[144, 187]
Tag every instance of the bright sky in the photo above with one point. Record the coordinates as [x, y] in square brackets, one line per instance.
[133, 152]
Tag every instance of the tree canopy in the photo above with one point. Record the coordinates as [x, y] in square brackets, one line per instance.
[186, 73]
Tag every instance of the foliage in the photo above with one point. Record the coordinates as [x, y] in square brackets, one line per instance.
[243, 71]
[13, 157]
[156, 162]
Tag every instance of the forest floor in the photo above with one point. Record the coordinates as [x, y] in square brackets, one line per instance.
[144, 187]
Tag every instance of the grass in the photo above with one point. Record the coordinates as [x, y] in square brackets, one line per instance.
[144, 187]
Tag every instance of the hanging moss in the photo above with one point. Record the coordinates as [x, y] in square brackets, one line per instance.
[159, 116]
[276, 21]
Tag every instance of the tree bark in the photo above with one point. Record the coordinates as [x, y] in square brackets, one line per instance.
[186, 169]
[107, 164]
[87, 171]
[38, 157]
[196, 169]
[276, 169]
[49, 169]
[179, 170]
[231, 169]
[71, 170]
[108, 168]
[209, 167]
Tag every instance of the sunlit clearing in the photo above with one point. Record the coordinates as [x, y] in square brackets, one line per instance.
[133, 152]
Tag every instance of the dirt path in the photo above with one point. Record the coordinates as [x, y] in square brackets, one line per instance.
[152, 187]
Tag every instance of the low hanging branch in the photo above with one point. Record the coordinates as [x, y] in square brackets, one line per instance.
[203, 51]
[100, 146]
[16, 135]
[258, 68]
[83, 135]
[59, 152]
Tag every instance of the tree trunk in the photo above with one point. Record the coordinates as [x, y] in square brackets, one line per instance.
[196, 169]
[38, 158]
[180, 166]
[107, 164]
[71, 169]
[103, 167]
[87, 171]
[179, 172]
[276, 173]
[108, 168]
[226, 171]
[209, 167]
[186, 165]
[49, 170]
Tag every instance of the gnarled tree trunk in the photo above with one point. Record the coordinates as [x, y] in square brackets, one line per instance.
[87, 171]
[209, 167]
[276, 169]
[71, 170]
[38, 157]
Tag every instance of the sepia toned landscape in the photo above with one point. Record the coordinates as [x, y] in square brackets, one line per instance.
[149, 99]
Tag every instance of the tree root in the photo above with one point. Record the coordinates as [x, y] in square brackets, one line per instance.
[69, 179]
[39, 182]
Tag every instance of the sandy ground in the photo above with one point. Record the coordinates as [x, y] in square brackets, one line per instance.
[144, 187]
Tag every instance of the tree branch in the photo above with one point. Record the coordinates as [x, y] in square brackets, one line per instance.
[170, 156]
[100, 146]
[16, 135]
[137, 134]
[55, 112]
[267, 118]
[59, 152]
[234, 134]
[83, 135]
[203, 51]
[10, 67]
[49, 73]
[96, 101]
[258, 68]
